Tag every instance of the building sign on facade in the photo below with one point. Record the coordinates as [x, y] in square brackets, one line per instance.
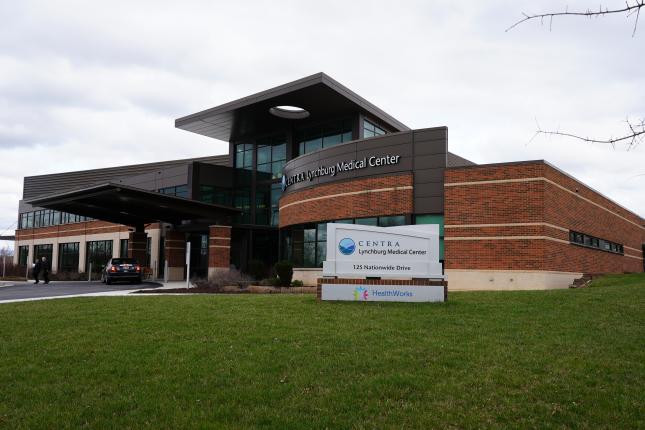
[341, 166]
[409, 251]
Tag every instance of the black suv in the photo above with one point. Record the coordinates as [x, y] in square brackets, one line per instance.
[122, 269]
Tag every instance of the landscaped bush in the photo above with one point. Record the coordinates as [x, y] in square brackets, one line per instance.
[13, 270]
[284, 271]
[297, 283]
[225, 278]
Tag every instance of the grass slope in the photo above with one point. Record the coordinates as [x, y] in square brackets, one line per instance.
[543, 359]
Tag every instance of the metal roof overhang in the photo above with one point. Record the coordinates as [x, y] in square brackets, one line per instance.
[319, 94]
[132, 206]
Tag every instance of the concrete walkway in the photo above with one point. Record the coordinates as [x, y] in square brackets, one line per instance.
[27, 291]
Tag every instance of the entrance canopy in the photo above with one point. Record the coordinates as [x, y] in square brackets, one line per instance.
[132, 206]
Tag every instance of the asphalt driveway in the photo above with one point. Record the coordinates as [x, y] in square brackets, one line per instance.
[24, 290]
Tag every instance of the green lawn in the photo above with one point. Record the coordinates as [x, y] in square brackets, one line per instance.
[543, 359]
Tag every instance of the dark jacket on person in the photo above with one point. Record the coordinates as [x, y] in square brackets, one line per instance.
[38, 267]
[45, 266]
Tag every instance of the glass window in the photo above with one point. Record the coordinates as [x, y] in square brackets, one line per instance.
[276, 192]
[309, 258]
[391, 221]
[594, 242]
[215, 195]
[177, 191]
[312, 138]
[344, 221]
[272, 154]
[244, 156]
[308, 247]
[98, 253]
[367, 221]
[321, 253]
[264, 155]
[123, 248]
[434, 219]
[242, 201]
[370, 129]
[68, 257]
[23, 255]
[41, 251]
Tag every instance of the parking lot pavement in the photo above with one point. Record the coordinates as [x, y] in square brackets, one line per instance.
[29, 291]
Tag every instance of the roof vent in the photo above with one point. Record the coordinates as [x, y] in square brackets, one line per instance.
[289, 112]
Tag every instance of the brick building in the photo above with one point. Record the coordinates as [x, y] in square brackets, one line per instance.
[312, 152]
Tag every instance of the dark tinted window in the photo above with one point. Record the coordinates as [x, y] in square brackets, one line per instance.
[124, 261]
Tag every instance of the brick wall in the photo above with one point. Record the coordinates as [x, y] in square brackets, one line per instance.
[175, 248]
[219, 247]
[381, 196]
[518, 216]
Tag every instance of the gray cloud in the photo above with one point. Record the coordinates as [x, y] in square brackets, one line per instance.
[80, 79]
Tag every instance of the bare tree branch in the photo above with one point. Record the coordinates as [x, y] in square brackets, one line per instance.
[634, 136]
[629, 9]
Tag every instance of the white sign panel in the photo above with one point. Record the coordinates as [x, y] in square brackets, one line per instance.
[382, 293]
[410, 251]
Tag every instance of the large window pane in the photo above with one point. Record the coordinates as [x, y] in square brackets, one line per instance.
[312, 138]
[264, 154]
[391, 221]
[279, 152]
[321, 232]
[310, 235]
[68, 257]
[97, 254]
[309, 254]
[321, 252]
[23, 255]
[41, 251]
[367, 221]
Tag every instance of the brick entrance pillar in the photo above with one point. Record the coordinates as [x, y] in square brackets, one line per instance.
[219, 249]
[137, 244]
[175, 253]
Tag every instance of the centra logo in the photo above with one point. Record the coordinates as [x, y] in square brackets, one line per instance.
[346, 246]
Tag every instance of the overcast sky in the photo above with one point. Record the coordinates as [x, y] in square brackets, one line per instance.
[97, 84]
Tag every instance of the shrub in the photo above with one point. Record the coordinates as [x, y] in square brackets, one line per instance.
[13, 270]
[284, 271]
[297, 283]
[225, 278]
[257, 269]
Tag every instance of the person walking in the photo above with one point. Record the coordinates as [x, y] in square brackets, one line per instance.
[38, 267]
[45, 268]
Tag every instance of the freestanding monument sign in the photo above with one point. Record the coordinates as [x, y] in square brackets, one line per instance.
[367, 263]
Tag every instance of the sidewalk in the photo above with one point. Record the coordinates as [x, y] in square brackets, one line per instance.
[28, 291]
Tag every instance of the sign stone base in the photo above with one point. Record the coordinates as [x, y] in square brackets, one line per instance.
[390, 290]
